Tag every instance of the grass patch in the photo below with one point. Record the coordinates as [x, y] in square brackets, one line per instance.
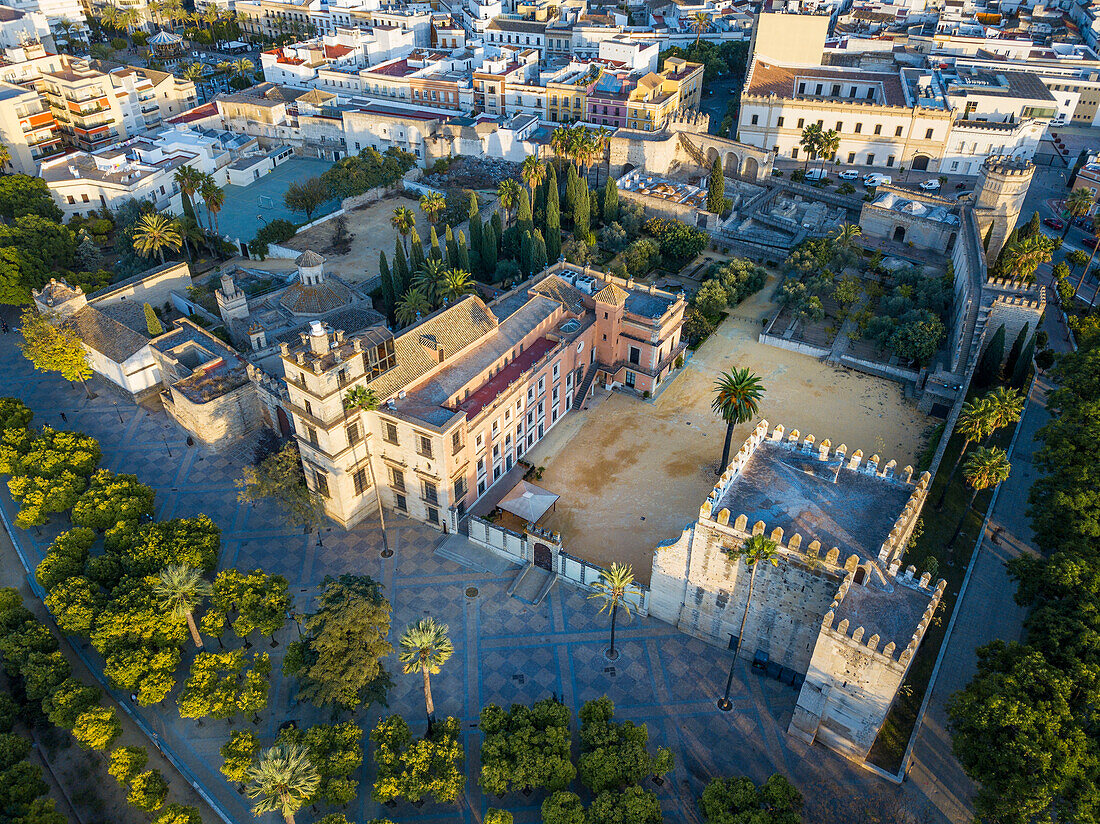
[939, 526]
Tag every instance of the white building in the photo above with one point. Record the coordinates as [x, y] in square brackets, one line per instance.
[19, 26]
[82, 182]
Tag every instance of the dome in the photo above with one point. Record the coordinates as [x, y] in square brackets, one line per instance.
[309, 258]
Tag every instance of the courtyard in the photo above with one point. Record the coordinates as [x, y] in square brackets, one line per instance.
[505, 650]
[248, 208]
[632, 474]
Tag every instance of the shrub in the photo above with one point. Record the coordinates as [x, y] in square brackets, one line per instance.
[676, 238]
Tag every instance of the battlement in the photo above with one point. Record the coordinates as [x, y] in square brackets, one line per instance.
[688, 120]
[1008, 166]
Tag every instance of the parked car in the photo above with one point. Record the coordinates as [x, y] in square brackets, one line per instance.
[817, 175]
[1090, 242]
[848, 174]
[1054, 223]
[876, 179]
[1083, 222]
[931, 185]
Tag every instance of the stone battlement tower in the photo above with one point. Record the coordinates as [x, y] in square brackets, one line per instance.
[999, 198]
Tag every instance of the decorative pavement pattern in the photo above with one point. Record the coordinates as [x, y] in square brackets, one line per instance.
[505, 651]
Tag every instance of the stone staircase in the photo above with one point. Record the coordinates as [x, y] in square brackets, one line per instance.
[532, 584]
[586, 384]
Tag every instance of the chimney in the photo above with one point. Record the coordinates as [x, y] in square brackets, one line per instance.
[318, 338]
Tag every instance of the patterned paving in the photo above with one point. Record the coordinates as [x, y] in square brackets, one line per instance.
[506, 651]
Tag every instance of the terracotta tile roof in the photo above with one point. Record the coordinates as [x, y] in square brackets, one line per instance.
[612, 294]
[315, 300]
[453, 328]
[564, 293]
[781, 81]
[105, 334]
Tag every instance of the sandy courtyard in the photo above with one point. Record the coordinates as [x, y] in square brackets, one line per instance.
[632, 474]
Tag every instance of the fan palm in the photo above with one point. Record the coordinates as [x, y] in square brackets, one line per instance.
[845, 235]
[456, 284]
[404, 221]
[429, 279]
[1080, 200]
[613, 587]
[755, 549]
[984, 469]
[974, 423]
[810, 141]
[1023, 257]
[154, 233]
[361, 399]
[508, 194]
[827, 145]
[214, 198]
[285, 779]
[243, 66]
[533, 173]
[190, 180]
[425, 648]
[560, 143]
[737, 395]
[1006, 406]
[700, 24]
[412, 306]
[432, 205]
[179, 589]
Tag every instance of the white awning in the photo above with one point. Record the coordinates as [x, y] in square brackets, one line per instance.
[528, 501]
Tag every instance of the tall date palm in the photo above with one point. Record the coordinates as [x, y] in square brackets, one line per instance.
[284, 780]
[179, 590]
[613, 588]
[425, 648]
[737, 395]
[752, 552]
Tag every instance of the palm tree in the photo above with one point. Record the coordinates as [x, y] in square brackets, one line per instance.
[413, 305]
[432, 205]
[429, 279]
[737, 395]
[700, 24]
[190, 180]
[1024, 256]
[827, 145]
[243, 66]
[361, 399]
[612, 587]
[214, 198]
[845, 235]
[810, 141]
[180, 589]
[284, 780]
[404, 221]
[1088, 265]
[5, 157]
[190, 233]
[1080, 200]
[508, 194]
[425, 648]
[601, 139]
[560, 143]
[974, 423]
[1006, 407]
[984, 469]
[755, 549]
[456, 284]
[154, 233]
[533, 173]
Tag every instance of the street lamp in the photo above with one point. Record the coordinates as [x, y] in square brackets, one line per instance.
[724, 703]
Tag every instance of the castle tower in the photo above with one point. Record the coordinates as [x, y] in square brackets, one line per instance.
[232, 302]
[311, 268]
[60, 298]
[999, 198]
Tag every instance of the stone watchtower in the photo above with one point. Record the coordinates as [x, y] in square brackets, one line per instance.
[232, 302]
[59, 298]
[999, 198]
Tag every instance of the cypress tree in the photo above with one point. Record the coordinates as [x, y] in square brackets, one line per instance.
[538, 256]
[1023, 365]
[526, 254]
[389, 295]
[538, 208]
[1034, 226]
[489, 242]
[988, 235]
[452, 249]
[472, 210]
[1014, 352]
[498, 227]
[551, 186]
[571, 185]
[476, 231]
[416, 251]
[463, 254]
[989, 368]
[582, 213]
[436, 252]
[610, 201]
[716, 188]
[524, 219]
[553, 219]
[402, 278]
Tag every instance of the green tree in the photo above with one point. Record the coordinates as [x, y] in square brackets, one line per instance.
[283, 780]
[508, 193]
[97, 728]
[178, 814]
[456, 285]
[1006, 405]
[433, 205]
[53, 347]
[14, 414]
[613, 754]
[463, 254]
[974, 424]
[404, 221]
[402, 278]
[582, 213]
[339, 659]
[429, 280]
[525, 747]
[127, 762]
[563, 807]
[23, 195]
[74, 603]
[752, 551]
[630, 806]
[1015, 350]
[416, 251]
[152, 322]
[111, 499]
[985, 468]
[66, 557]
[415, 768]
[1079, 201]
[148, 791]
[728, 800]
[716, 188]
[553, 216]
[497, 817]
[917, 340]
[336, 751]
[613, 588]
[180, 589]
[989, 367]
[425, 648]
[68, 701]
[413, 306]
[737, 395]
[154, 233]
[307, 196]
[238, 755]
[281, 478]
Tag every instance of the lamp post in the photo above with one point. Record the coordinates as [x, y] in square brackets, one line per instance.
[724, 703]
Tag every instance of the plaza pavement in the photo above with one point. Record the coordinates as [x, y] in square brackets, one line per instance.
[505, 650]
